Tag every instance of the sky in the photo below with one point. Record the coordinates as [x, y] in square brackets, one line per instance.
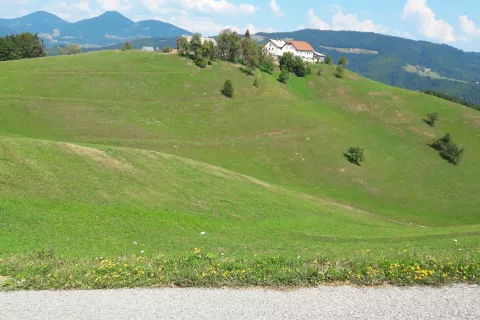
[456, 23]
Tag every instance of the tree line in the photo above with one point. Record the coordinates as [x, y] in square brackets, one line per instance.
[230, 47]
[21, 46]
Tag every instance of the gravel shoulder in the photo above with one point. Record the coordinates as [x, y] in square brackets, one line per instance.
[453, 302]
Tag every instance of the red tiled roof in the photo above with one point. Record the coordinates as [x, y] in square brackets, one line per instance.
[301, 45]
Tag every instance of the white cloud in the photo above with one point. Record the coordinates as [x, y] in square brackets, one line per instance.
[115, 5]
[342, 21]
[276, 9]
[468, 26]
[83, 6]
[203, 25]
[316, 22]
[218, 6]
[350, 21]
[428, 25]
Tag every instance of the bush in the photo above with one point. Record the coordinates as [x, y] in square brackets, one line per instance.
[448, 150]
[355, 155]
[167, 49]
[284, 76]
[339, 72]
[228, 89]
[201, 62]
[452, 153]
[267, 63]
[432, 119]
[342, 62]
[127, 46]
[328, 60]
[319, 72]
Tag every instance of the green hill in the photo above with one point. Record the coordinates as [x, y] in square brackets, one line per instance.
[394, 54]
[103, 149]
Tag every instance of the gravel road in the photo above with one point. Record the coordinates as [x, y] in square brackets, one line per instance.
[456, 302]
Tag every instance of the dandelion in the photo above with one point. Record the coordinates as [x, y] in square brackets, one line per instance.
[405, 250]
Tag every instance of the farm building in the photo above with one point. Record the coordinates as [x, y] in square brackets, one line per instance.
[300, 49]
[148, 49]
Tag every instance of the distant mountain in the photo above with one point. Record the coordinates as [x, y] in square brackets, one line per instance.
[4, 31]
[106, 29]
[475, 53]
[386, 58]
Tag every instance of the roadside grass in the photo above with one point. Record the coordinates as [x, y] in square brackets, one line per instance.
[43, 271]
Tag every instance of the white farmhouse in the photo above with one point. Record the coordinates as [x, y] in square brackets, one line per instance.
[300, 49]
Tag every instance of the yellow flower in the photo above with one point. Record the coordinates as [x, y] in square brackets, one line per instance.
[405, 250]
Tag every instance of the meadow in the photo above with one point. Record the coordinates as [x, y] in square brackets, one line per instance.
[119, 154]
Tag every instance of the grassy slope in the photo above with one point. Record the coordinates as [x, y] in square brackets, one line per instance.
[293, 137]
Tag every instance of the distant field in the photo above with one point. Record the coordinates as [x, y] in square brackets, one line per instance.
[103, 150]
[430, 74]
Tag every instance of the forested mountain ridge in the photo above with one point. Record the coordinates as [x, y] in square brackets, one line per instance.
[394, 54]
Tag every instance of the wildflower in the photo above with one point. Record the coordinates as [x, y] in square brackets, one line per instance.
[143, 251]
[135, 243]
[455, 240]
[405, 250]
[203, 233]
[459, 249]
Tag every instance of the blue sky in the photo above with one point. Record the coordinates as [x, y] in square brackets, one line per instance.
[444, 21]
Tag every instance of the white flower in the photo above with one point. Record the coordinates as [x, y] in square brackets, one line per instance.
[143, 251]
[455, 240]
[459, 249]
[203, 233]
[135, 243]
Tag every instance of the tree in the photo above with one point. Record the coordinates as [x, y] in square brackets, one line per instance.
[432, 119]
[284, 76]
[228, 89]
[266, 61]
[299, 67]
[339, 72]
[287, 62]
[196, 43]
[250, 53]
[355, 155]
[205, 54]
[73, 49]
[167, 49]
[229, 45]
[21, 46]
[342, 62]
[127, 46]
[441, 143]
[183, 46]
[328, 60]
[60, 51]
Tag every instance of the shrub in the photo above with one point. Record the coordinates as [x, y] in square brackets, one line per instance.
[287, 62]
[267, 63]
[448, 150]
[284, 76]
[127, 46]
[441, 143]
[432, 119]
[328, 60]
[319, 72]
[167, 49]
[339, 72]
[355, 155]
[342, 62]
[452, 153]
[228, 89]
[201, 62]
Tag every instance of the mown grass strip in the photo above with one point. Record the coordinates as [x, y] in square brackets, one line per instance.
[44, 271]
